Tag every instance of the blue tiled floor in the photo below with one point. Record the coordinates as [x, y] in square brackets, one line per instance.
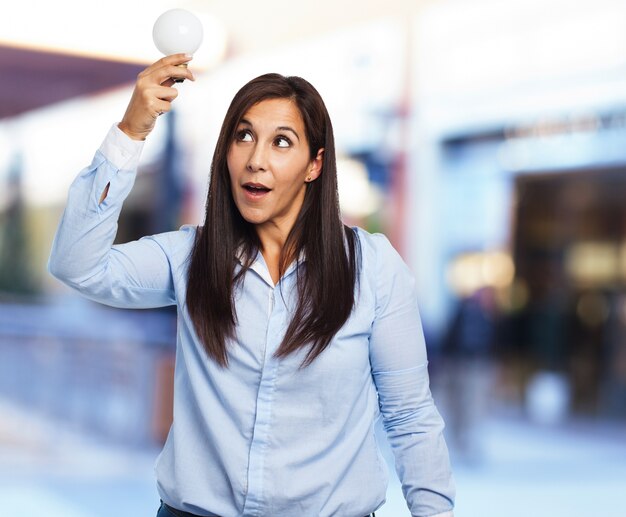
[571, 471]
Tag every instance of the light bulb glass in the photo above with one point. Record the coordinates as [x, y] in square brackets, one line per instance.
[177, 31]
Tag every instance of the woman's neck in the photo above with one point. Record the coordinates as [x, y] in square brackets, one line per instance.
[273, 241]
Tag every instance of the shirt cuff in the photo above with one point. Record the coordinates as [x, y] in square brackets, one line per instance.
[444, 514]
[121, 150]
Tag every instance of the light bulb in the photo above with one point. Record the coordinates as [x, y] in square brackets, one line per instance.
[177, 31]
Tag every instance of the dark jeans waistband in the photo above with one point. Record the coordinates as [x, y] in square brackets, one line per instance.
[180, 513]
[166, 510]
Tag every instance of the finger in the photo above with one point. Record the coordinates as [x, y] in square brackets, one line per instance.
[172, 72]
[151, 104]
[151, 97]
[166, 93]
[174, 59]
[160, 107]
[162, 76]
[171, 61]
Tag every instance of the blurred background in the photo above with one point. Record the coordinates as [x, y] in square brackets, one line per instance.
[486, 139]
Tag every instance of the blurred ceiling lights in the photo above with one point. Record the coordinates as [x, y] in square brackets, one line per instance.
[358, 197]
[596, 264]
[470, 272]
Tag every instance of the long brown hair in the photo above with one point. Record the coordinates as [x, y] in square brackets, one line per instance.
[326, 280]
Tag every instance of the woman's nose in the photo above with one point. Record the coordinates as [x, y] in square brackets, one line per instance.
[258, 157]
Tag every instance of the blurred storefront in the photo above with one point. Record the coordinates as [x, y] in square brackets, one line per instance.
[519, 139]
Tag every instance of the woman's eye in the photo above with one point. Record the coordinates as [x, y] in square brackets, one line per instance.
[244, 136]
[282, 141]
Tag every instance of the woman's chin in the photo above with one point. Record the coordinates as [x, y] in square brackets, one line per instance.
[252, 218]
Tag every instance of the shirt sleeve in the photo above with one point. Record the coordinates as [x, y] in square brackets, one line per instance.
[136, 274]
[400, 371]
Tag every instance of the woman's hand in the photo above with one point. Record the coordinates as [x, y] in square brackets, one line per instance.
[153, 95]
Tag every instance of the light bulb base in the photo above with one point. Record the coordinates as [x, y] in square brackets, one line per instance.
[177, 79]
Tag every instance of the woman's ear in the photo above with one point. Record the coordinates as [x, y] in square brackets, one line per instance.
[315, 167]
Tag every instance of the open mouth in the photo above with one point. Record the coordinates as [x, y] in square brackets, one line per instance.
[256, 190]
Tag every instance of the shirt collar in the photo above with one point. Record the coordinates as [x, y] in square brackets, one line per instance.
[240, 251]
[261, 268]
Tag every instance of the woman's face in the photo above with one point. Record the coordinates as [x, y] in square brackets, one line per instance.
[269, 164]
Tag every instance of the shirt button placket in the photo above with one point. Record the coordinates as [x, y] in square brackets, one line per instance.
[254, 502]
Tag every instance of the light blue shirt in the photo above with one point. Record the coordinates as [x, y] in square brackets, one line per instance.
[264, 437]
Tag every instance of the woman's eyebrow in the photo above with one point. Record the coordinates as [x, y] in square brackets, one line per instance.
[287, 128]
[279, 128]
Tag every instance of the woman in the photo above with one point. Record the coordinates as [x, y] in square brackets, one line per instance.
[294, 332]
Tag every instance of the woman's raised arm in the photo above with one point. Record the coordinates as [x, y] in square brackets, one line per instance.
[136, 274]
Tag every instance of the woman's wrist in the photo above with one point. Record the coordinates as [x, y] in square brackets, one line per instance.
[130, 133]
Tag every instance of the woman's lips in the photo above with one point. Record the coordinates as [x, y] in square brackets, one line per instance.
[255, 194]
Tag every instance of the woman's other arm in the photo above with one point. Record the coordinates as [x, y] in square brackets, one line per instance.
[399, 367]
